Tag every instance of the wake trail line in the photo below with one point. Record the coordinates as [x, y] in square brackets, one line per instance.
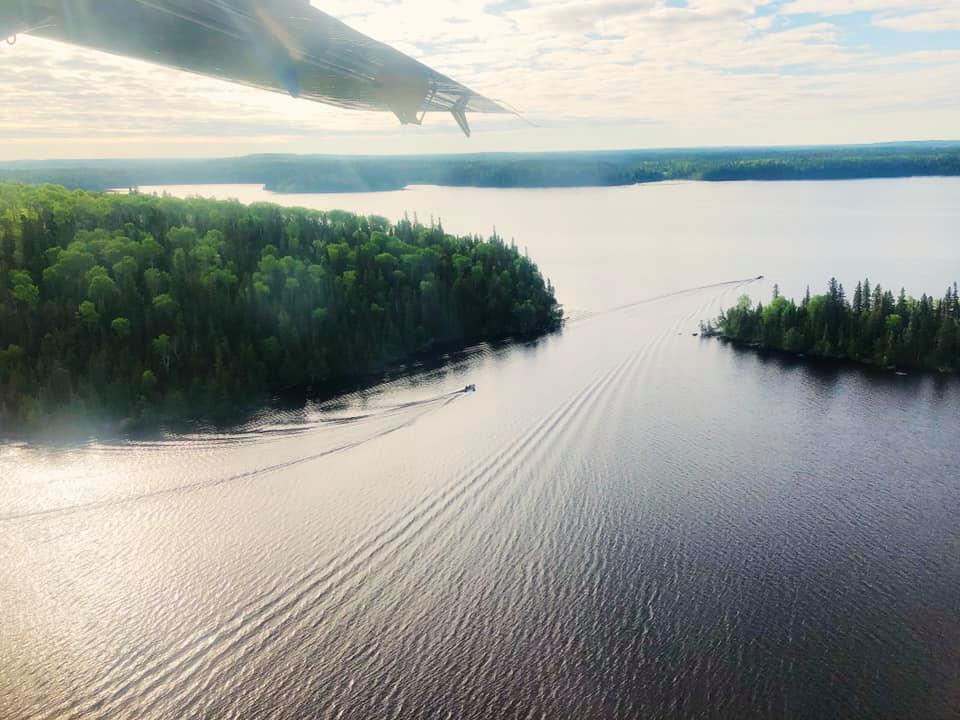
[657, 298]
[710, 286]
[269, 431]
[204, 484]
[264, 611]
[564, 420]
[269, 618]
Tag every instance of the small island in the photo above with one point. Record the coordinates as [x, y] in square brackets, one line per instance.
[135, 307]
[873, 327]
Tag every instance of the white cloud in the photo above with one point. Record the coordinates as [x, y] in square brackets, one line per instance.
[590, 73]
[945, 19]
[903, 15]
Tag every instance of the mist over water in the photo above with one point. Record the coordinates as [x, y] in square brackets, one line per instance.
[623, 521]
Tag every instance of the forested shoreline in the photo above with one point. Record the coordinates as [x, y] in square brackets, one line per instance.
[133, 306]
[872, 327]
[328, 173]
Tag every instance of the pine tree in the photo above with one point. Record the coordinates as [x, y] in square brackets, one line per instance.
[833, 290]
[902, 303]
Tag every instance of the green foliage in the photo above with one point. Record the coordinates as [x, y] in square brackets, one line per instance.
[87, 313]
[165, 304]
[24, 291]
[103, 289]
[119, 302]
[873, 328]
[121, 326]
[148, 382]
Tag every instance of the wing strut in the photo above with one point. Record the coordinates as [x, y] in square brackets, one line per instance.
[459, 112]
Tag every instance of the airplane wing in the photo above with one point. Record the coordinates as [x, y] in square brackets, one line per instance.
[283, 46]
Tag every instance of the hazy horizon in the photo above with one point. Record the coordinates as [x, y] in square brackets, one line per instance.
[470, 153]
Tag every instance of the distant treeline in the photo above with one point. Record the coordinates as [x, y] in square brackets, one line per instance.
[872, 327]
[306, 173]
[136, 305]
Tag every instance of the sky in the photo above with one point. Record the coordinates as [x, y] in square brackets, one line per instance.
[585, 74]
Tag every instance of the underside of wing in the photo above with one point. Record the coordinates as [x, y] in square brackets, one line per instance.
[283, 46]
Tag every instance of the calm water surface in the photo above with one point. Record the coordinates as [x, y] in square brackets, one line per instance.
[623, 522]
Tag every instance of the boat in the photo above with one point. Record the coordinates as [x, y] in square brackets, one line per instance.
[470, 388]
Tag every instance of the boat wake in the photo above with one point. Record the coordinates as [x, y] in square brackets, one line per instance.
[581, 316]
[409, 412]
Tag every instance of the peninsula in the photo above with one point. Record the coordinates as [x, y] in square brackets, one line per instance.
[131, 305]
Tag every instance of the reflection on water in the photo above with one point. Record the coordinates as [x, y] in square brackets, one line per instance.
[623, 521]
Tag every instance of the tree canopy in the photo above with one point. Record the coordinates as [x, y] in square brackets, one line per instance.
[125, 303]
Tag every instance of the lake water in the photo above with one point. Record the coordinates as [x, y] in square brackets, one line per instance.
[624, 521]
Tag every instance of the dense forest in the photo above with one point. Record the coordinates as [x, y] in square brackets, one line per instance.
[135, 305]
[320, 173]
[872, 327]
